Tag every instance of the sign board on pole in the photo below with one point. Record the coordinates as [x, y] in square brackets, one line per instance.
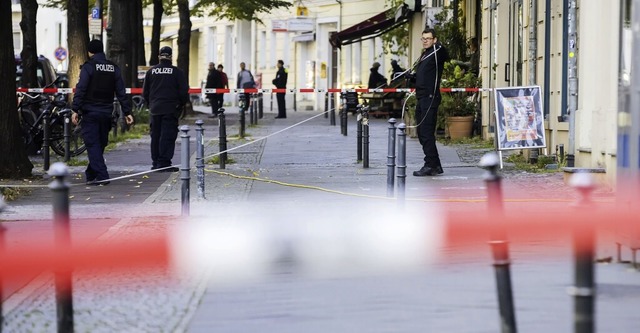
[60, 53]
[95, 27]
[519, 118]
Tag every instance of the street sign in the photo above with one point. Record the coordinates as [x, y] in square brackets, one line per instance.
[95, 26]
[95, 13]
[60, 53]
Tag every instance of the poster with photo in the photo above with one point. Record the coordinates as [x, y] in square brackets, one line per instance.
[519, 118]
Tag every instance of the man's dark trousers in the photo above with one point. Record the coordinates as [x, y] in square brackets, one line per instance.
[282, 112]
[164, 131]
[95, 133]
[426, 118]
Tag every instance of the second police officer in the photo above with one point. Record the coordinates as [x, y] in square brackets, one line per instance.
[166, 91]
[99, 80]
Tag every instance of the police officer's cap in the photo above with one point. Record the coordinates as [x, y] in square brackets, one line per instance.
[166, 51]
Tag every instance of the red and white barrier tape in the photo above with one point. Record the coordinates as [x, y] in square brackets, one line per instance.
[138, 91]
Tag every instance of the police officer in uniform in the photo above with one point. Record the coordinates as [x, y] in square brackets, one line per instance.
[99, 80]
[166, 91]
[281, 83]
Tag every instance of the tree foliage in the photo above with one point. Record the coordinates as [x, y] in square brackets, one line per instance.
[238, 9]
[396, 41]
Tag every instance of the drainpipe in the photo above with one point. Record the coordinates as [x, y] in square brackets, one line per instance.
[547, 57]
[564, 116]
[573, 79]
[493, 41]
[533, 42]
[533, 57]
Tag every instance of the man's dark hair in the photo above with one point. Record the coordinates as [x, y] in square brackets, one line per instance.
[281, 62]
[430, 30]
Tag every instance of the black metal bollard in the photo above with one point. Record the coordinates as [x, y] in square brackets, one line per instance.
[499, 244]
[260, 106]
[583, 291]
[252, 110]
[63, 281]
[242, 117]
[402, 163]
[343, 114]
[365, 137]
[391, 157]
[359, 133]
[46, 128]
[332, 111]
[200, 157]
[295, 106]
[326, 104]
[271, 103]
[184, 169]
[222, 145]
[66, 113]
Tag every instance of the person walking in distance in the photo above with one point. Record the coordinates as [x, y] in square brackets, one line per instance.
[428, 74]
[281, 83]
[166, 91]
[225, 82]
[214, 81]
[100, 79]
[245, 81]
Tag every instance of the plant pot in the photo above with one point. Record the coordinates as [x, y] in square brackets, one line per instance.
[460, 127]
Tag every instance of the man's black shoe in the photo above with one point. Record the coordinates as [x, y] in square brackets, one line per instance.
[427, 171]
[281, 117]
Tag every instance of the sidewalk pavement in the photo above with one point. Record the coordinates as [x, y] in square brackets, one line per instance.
[298, 175]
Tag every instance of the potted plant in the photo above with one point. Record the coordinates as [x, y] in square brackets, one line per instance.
[457, 109]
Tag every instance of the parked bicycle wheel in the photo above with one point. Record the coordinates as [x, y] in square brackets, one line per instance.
[76, 145]
[31, 131]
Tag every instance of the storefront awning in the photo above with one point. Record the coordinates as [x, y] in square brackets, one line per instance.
[371, 27]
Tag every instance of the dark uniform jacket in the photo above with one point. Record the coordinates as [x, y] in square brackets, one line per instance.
[214, 81]
[100, 80]
[281, 78]
[376, 79]
[165, 89]
[429, 72]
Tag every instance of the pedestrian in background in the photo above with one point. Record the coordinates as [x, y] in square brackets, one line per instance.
[100, 79]
[428, 74]
[376, 80]
[214, 81]
[245, 81]
[166, 91]
[396, 71]
[225, 82]
[281, 83]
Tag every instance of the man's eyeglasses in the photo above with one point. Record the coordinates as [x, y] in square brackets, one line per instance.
[424, 39]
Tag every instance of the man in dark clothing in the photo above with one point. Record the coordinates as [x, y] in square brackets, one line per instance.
[99, 80]
[166, 91]
[376, 79]
[225, 82]
[281, 83]
[428, 73]
[396, 71]
[214, 81]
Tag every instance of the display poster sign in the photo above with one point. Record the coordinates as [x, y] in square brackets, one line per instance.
[519, 118]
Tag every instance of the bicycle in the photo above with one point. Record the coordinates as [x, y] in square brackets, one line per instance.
[32, 110]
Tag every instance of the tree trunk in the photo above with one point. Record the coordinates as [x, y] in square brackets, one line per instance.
[77, 37]
[29, 54]
[184, 37]
[184, 43]
[158, 10]
[119, 50]
[141, 61]
[14, 163]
